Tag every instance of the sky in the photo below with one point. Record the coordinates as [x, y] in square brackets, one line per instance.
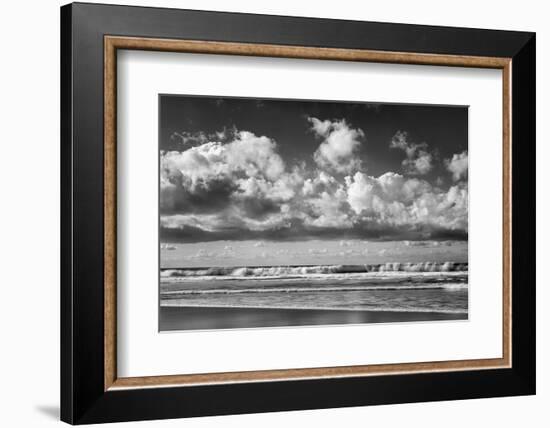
[309, 252]
[236, 169]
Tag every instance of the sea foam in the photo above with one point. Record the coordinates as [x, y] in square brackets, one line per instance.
[275, 271]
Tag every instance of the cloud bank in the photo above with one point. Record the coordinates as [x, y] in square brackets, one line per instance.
[239, 187]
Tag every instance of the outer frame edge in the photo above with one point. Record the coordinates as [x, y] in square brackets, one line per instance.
[524, 216]
[66, 295]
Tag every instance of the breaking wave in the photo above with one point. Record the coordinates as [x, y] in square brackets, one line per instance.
[275, 271]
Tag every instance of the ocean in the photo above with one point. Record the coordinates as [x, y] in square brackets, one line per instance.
[427, 287]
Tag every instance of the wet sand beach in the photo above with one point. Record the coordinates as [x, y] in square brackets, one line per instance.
[174, 318]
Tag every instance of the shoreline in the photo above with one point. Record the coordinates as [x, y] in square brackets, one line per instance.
[177, 318]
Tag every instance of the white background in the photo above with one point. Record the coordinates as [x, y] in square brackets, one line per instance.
[144, 352]
[29, 231]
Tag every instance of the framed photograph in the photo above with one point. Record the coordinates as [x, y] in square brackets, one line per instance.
[265, 213]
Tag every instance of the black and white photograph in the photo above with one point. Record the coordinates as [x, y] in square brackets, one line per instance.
[279, 212]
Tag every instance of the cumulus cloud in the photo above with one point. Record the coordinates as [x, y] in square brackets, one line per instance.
[458, 166]
[339, 146]
[242, 189]
[207, 177]
[328, 210]
[182, 140]
[418, 160]
[395, 200]
[389, 191]
[248, 153]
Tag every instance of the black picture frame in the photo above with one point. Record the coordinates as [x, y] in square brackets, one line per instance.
[83, 396]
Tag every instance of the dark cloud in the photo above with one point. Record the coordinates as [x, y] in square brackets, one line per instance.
[258, 208]
[297, 231]
[176, 198]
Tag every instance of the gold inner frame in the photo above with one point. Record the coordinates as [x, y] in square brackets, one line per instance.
[113, 43]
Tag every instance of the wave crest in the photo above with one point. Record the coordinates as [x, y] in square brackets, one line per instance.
[274, 271]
